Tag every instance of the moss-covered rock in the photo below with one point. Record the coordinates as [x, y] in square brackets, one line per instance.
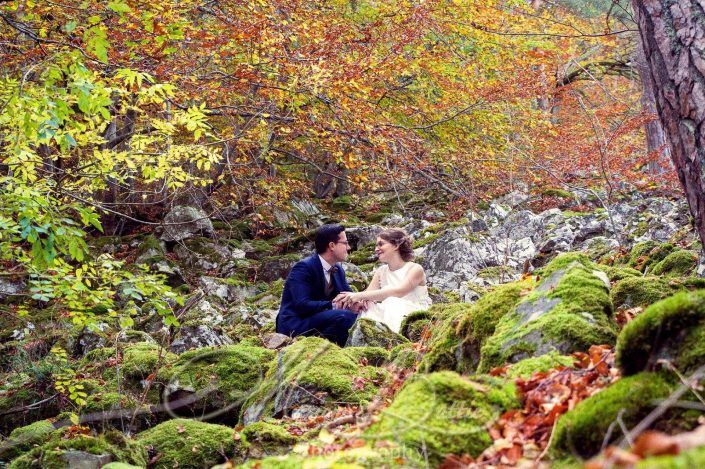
[267, 439]
[365, 457]
[24, 438]
[216, 379]
[343, 202]
[312, 372]
[673, 328]
[582, 430]
[375, 356]
[569, 311]
[52, 454]
[142, 359]
[677, 264]
[444, 413]
[527, 367]
[616, 273]
[404, 356]
[413, 325]
[370, 333]
[646, 254]
[190, 443]
[456, 342]
[631, 292]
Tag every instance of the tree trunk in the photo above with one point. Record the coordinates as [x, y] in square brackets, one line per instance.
[655, 136]
[672, 37]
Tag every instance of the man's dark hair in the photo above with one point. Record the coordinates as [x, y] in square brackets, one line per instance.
[327, 234]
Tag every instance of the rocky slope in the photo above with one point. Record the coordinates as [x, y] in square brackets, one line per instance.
[512, 286]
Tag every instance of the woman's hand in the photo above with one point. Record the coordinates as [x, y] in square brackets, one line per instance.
[347, 300]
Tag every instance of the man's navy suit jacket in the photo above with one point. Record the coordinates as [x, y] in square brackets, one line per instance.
[304, 294]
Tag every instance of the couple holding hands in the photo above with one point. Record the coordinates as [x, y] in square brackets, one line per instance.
[317, 299]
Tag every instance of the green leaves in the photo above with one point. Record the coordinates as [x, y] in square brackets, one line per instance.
[96, 40]
[119, 7]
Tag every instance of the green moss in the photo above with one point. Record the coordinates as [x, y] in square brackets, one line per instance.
[100, 355]
[640, 291]
[677, 264]
[149, 242]
[527, 367]
[556, 192]
[222, 376]
[375, 356]
[445, 340]
[444, 413]
[106, 401]
[615, 274]
[260, 246]
[364, 254]
[691, 458]
[113, 443]
[344, 202]
[457, 342]
[672, 327]
[375, 334]
[569, 311]
[498, 272]
[189, 443]
[426, 240]
[23, 438]
[315, 363]
[365, 457]
[119, 465]
[582, 430]
[648, 253]
[269, 439]
[404, 356]
[142, 359]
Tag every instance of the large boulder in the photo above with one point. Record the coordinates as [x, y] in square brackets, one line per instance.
[64, 449]
[582, 430]
[568, 311]
[369, 333]
[444, 413]
[359, 236]
[462, 329]
[309, 377]
[194, 336]
[184, 222]
[672, 329]
[190, 443]
[213, 382]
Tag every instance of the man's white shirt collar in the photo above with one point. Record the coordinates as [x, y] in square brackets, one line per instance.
[326, 268]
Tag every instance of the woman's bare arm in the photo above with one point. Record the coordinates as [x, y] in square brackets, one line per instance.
[414, 277]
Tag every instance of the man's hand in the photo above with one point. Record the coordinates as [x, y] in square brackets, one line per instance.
[340, 301]
[360, 307]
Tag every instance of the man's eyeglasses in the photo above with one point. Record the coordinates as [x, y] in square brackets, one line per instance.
[343, 242]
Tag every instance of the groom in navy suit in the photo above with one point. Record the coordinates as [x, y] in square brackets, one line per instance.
[309, 305]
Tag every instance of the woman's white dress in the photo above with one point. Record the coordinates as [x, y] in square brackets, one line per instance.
[393, 310]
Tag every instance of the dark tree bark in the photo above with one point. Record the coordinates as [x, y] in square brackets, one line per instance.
[655, 136]
[673, 38]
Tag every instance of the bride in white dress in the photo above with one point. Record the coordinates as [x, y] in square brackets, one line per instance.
[398, 287]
